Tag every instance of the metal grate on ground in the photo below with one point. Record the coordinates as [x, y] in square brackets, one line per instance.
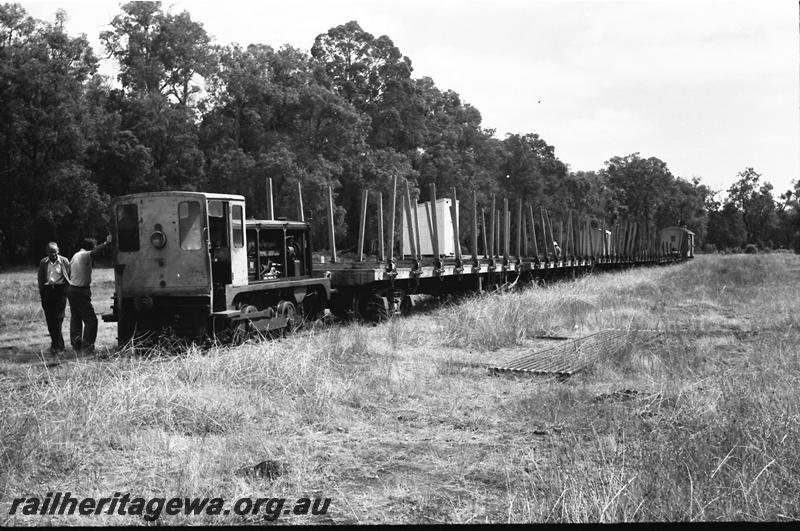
[571, 356]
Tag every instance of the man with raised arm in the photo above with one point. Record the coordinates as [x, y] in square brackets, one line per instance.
[83, 322]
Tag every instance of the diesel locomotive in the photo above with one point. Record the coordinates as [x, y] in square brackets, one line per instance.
[189, 262]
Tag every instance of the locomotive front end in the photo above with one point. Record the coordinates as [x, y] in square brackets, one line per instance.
[164, 262]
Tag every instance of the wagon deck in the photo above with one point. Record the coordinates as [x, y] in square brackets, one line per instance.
[359, 273]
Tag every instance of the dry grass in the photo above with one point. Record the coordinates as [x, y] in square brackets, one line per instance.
[701, 424]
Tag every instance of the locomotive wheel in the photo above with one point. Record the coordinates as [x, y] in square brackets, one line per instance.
[243, 330]
[287, 309]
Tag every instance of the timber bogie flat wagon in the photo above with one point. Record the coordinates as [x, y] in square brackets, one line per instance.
[432, 265]
[192, 263]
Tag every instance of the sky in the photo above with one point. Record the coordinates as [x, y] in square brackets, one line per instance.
[709, 87]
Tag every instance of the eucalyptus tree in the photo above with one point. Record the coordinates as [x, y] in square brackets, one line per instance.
[44, 132]
[163, 59]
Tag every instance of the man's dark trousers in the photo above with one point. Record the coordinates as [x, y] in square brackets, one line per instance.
[83, 323]
[54, 300]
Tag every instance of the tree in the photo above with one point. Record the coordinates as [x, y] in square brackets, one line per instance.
[754, 200]
[357, 65]
[375, 77]
[725, 227]
[45, 122]
[535, 173]
[160, 57]
[159, 52]
[269, 117]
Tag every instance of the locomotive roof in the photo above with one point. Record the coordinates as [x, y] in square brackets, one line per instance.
[199, 195]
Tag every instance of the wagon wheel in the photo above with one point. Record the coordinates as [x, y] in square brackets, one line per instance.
[375, 308]
[313, 307]
[243, 330]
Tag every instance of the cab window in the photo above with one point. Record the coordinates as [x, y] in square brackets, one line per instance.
[238, 225]
[190, 225]
[296, 252]
[217, 227]
[270, 251]
[127, 228]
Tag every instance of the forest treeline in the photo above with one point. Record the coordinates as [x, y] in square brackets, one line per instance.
[187, 113]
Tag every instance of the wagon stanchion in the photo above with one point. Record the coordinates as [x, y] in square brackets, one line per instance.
[623, 242]
[401, 252]
[381, 247]
[569, 246]
[409, 221]
[483, 232]
[544, 235]
[392, 218]
[331, 227]
[519, 230]
[454, 220]
[475, 228]
[550, 230]
[475, 256]
[584, 240]
[498, 241]
[524, 223]
[604, 253]
[362, 224]
[491, 230]
[435, 223]
[506, 236]
[416, 228]
[270, 209]
[430, 223]
[533, 233]
[301, 213]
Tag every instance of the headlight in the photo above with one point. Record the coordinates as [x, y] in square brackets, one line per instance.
[158, 238]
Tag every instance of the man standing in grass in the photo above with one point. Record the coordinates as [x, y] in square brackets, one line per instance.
[53, 282]
[83, 322]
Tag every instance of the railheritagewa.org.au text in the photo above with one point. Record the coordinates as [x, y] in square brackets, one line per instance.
[151, 509]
